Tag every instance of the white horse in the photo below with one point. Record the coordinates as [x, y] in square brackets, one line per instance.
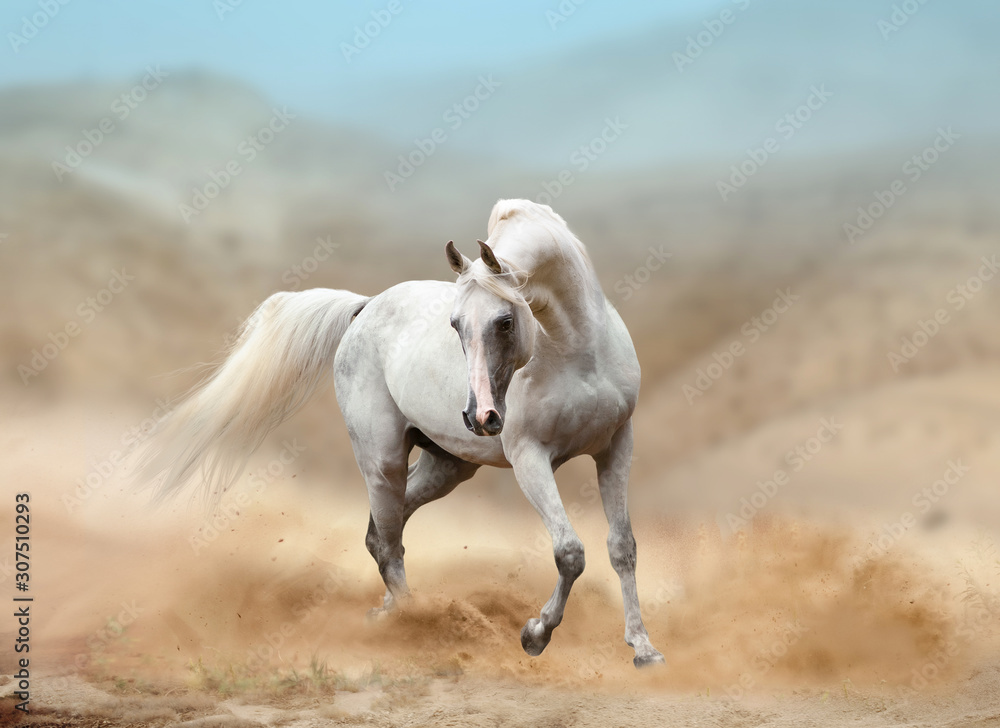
[548, 372]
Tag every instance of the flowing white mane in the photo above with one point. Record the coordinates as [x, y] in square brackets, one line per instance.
[540, 215]
[524, 235]
[507, 286]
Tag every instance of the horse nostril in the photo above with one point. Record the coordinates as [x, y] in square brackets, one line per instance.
[493, 423]
[468, 421]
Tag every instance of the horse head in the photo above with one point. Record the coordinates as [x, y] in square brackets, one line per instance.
[497, 331]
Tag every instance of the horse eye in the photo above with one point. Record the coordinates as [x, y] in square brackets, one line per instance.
[454, 323]
[506, 324]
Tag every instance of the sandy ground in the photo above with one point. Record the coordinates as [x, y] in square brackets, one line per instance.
[802, 616]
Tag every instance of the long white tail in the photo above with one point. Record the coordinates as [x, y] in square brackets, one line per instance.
[283, 351]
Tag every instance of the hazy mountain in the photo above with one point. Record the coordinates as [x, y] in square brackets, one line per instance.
[196, 150]
[889, 86]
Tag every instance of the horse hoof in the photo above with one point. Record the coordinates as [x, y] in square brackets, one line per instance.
[653, 658]
[377, 614]
[533, 637]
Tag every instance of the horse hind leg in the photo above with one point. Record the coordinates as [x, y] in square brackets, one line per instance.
[386, 482]
[381, 449]
[435, 474]
[380, 549]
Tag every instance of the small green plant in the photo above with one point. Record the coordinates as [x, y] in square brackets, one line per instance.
[319, 674]
[230, 680]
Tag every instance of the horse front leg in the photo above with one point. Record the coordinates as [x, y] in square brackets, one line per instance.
[533, 470]
[613, 466]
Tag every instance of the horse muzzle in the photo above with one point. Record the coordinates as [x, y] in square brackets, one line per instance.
[490, 426]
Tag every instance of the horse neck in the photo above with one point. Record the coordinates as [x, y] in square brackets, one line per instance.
[565, 296]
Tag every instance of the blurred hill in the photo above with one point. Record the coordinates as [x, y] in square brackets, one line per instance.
[315, 181]
[173, 138]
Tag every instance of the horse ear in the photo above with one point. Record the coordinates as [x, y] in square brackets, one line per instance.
[456, 260]
[491, 260]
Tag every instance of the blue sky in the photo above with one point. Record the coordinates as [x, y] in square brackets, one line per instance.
[292, 50]
[889, 90]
